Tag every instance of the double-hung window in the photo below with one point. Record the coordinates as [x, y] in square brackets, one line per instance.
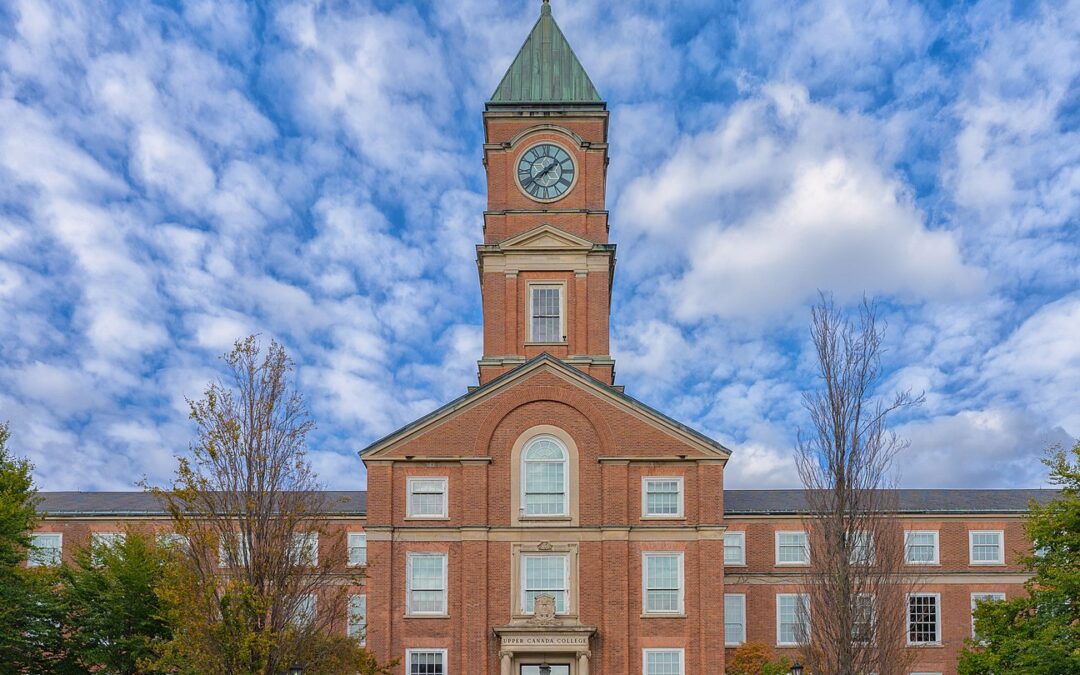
[663, 577]
[304, 549]
[921, 547]
[172, 541]
[427, 584]
[792, 619]
[977, 598]
[545, 476]
[545, 311]
[924, 618]
[663, 662]
[303, 612]
[792, 548]
[45, 550]
[426, 661]
[357, 618]
[233, 551]
[357, 549]
[662, 496]
[103, 540]
[987, 547]
[734, 548]
[545, 574]
[863, 624]
[427, 498]
[861, 551]
[734, 619]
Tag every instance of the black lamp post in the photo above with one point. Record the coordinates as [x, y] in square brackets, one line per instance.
[797, 669]
[296, 669]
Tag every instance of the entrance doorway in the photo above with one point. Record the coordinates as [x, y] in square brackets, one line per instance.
[544, 669]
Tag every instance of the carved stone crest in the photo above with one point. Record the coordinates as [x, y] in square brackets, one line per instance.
[544, 546]
[544, 610]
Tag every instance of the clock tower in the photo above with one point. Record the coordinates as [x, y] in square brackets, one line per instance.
[546, 265]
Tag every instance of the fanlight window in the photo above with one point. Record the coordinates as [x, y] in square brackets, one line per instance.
[545, 478]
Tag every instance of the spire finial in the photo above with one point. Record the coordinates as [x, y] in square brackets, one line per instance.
[545, 8]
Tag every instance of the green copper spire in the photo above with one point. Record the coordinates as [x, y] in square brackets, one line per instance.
[546, 71]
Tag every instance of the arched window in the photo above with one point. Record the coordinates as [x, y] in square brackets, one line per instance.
[545, 478]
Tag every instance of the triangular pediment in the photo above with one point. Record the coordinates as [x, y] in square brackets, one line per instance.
[707, 447]
[545, 238]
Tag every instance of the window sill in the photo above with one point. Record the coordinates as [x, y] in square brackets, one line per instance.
[653, 518]
[562, 343]
[427, 616]
[733, 645]
[922, 564]
[663, 615]
[986, 564]
[793, 564]
[932, 645]
[545, 519]
[410, 518]
[727, 564]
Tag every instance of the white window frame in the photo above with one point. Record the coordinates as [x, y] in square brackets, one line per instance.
[523, 595]
[806, 548]
[741, 536]
[298, 618]
[646, 556]
[679, 514]
[32, 559]
[937, 623]
[873, 616]
[302, 541]
[413, 515]
[1001, 547]
[409, 611]
[243, 551]
[907, 548]
[172, 540]
[98, 539]
[525, 515]
[871, 549]
[354, 537]
[350, 625]
[741, 621]
[670, 650]
[426, 650]
[984, 596]
[799, 598]
[561, 288]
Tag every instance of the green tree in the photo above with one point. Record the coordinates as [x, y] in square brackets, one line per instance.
[1039, 634]
[114, 619]
[30, 616]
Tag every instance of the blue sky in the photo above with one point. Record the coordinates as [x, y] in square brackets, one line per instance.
[174, 175]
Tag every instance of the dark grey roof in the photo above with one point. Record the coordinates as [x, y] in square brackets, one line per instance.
[144, 504]
[736, 502]
[778, 502]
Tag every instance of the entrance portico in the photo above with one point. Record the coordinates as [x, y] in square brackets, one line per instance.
[523, 649]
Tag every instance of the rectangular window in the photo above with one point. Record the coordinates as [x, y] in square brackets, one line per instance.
[987, 547]
[99, 540]
[862, 627]
[792, 548]
[357, 619]
[546, 312]
[357, 549]
[427, 583]
[924, 618]
[734, 619]
[976, 598]
[792, 618]
[45, 550]
[303, 613]
[305, 549]
[734, 548]
[426, 661]
[427, 498]
[172, 540]
[544, 575]
[921, 547]
[862, 548]
[662, 497]
[663, 574]
[663, 661]
[233, 551]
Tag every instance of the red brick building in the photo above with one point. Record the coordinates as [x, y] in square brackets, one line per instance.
[546, 521]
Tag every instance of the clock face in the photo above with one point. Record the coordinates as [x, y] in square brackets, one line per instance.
[545, 171]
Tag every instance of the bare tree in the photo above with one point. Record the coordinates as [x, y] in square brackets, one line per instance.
[856, 587]
[261, 583]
